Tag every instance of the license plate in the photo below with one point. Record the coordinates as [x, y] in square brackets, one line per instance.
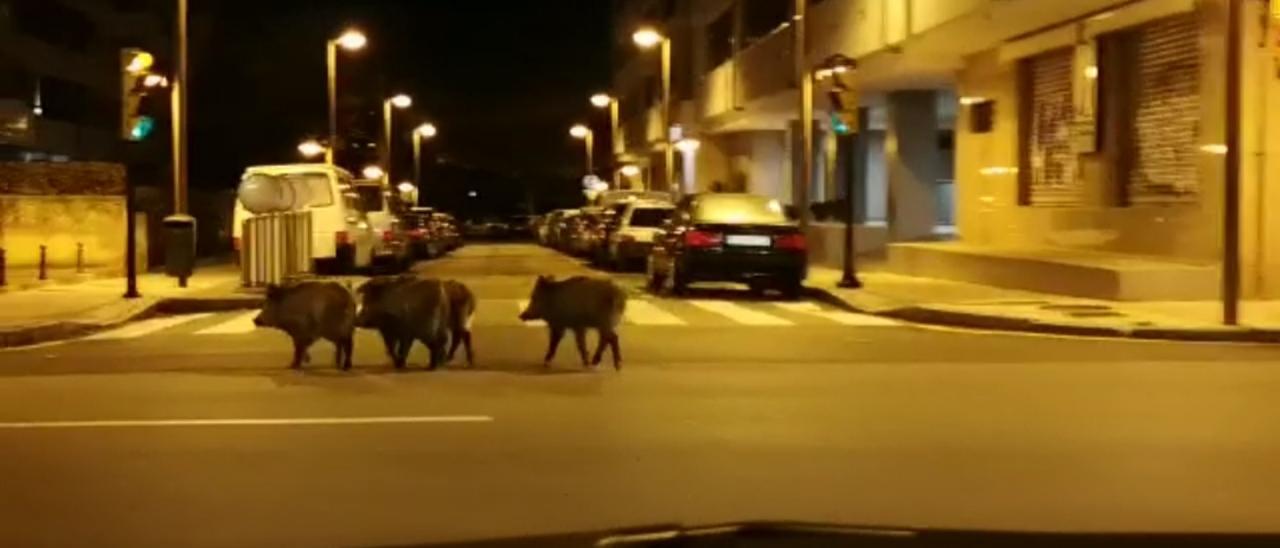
[748, 240]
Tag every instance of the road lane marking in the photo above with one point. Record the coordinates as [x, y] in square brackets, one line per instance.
[740, 314]
[838, 316]
[146, 327]
[523, 304]
[646, 313]
[302, 421]
[241, 323]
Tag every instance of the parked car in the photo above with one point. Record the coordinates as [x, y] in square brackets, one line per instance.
[556, 222]
[423, 243]
[446, 229]
[634, 229]
[727, 237]
[488, 228]
[391, 249]
[342, 239]
[585, 232]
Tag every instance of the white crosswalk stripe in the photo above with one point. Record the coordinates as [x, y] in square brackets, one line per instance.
[641, 312]
[740, 314]
[838, 316]
[241, 323]
[147, 327]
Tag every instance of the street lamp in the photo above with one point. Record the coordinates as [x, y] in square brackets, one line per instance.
[311, 148]
[400, 101]
[351, 40]
[372, 172]
[647, 38]
[579, 131]
[420, 133]
[604, 100]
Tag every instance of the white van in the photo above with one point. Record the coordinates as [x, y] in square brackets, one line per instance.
[341, 236]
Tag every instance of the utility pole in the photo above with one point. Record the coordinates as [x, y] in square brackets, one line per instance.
[179, 112]
[805, 78]
[1231, 178]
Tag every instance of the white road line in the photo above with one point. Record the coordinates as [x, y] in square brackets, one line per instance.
[740, 314]
[303, 421]
[241, 323]
[520, 306]
[146, 327]
[646, 313]
[838, 316]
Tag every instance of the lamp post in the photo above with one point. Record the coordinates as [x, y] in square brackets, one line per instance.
[350, 40]
[400, 101]
[647, 38]
[604, 100]
[580, 131]
[844, 100]
[420, 133]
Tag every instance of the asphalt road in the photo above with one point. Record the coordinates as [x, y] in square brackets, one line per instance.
[189, 430]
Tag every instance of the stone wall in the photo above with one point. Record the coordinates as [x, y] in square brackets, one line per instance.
[60, 205]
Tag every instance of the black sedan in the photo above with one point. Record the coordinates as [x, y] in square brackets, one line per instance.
[729, 238]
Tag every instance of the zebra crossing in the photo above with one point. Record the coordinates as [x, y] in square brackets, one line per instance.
[504, 312]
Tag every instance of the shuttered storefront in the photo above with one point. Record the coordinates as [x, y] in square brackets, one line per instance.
[1052, 177]
[1166, 110]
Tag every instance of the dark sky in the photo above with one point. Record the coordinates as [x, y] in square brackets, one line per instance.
[502, 79]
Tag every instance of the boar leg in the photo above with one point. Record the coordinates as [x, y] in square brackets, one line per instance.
[557, 333]
[580, 338]
[300, 345]
[346, 347]
[614, 347]
[465, 335]
[401, 358]
[436, 347]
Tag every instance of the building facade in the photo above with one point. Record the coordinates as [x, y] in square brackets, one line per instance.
[1074, 147]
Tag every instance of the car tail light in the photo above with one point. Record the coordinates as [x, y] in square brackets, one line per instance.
[341, 237]
[702, 239]
[795, 242]
[388, 236]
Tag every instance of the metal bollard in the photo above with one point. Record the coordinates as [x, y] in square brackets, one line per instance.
[44, 271]
[79, 258]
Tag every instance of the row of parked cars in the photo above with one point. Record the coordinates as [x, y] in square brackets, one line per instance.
[712, 237]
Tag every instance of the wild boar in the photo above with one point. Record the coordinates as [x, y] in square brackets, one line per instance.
[405, 309]
[579, 303]
[309, 311]
[462, 309]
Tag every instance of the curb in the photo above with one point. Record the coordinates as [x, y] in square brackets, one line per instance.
[969, 320]
[56, 331]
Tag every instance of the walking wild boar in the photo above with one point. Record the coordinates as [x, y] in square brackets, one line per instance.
[405, 309]
[579, 303]
[309, 311]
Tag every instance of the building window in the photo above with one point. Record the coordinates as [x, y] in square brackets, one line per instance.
[1165, 109]
[53, 23]
[720, 39]
[1048, 173]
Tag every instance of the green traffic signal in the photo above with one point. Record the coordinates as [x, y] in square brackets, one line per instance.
[141, 127]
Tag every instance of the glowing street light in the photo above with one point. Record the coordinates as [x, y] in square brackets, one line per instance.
[601, 100]
[630, 170]
[579, 131]
[421, 133]
[405, 187]
[311, 148]
[647, 38]
[401, 100]
[350, 40]
[372, 172]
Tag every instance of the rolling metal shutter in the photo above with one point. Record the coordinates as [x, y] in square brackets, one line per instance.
[1167, 110]
[1053, 164]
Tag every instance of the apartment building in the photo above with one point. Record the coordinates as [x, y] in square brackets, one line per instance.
[1072, 147]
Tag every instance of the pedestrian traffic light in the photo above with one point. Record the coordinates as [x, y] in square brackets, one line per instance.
[844, 110]
[136, 82]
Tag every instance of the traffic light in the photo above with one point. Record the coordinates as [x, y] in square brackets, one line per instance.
[136, 82]
[844, 110]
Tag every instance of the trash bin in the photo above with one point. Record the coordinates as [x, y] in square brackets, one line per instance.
[180, 247]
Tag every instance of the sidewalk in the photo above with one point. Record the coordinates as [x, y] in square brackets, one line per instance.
[944, 302]
[60, 310]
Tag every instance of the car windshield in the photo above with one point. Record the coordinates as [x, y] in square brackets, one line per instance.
[738, 209]
[650, 216]
[371, 198]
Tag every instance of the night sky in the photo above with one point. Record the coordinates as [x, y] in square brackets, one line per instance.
[502, 79]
